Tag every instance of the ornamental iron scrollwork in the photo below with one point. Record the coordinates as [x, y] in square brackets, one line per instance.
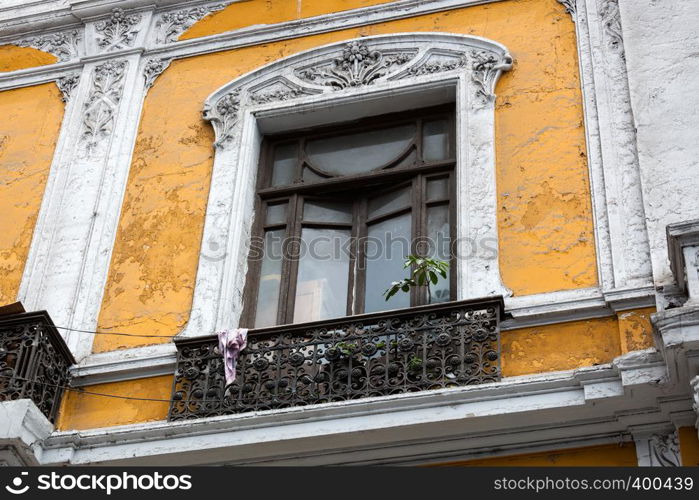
[34, 361]
[418, 349]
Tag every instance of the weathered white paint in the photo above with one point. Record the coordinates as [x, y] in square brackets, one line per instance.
[661, 56]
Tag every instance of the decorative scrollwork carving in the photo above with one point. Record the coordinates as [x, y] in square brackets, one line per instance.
[117, 32]
[172, 24]
[357, 65]
[433, 347]
[67, 84]
[665, 450]
[64, 44]
[569, 6]
[276, 95]
[611, 20]
[34, 362]
[485, 67]
[153, 68]
[437, 67]
[224, 116]
[100, 106]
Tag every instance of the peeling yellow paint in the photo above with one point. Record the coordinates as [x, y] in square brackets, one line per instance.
[636, 330]
[545, 224]
[255, 12]
[689, 446]
[13, 58]
[557, 347]
[31, 119]
[87, 411]
[611, 455]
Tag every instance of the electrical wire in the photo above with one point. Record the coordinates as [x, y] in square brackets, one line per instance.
[121, 334]
[92, 393]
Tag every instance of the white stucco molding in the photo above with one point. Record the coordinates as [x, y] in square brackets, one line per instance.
[598, 404]
[22, 431]
[683, 252]
[329, 84]
[621, 236]
[657, 446]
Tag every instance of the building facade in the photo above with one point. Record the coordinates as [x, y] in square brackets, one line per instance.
[170, 169]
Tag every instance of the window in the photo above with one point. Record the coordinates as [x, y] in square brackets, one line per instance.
[338, 210]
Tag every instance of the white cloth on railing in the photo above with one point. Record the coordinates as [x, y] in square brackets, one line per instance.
[230, 343]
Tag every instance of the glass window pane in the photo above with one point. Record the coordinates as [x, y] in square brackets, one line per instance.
[438, 189]
[276, 214]
[310, 176]
[359, 152]
[284, 166]
[387, 245]
[327, 211]
[321, 289]
[438, 236]
[408, 161]
[435, 140]
[389, 202]
[270, 277]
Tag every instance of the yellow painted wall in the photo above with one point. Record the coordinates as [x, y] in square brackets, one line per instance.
[254, 12]
[86, 411]
[689, 446]
[612, 455]
[566, 346]
[545, 223]
[13, 58]
[30, 119]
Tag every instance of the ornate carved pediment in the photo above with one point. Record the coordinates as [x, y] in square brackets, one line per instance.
[353, 65]
[356, 65]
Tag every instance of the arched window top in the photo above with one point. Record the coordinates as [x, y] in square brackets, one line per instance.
[382, 61]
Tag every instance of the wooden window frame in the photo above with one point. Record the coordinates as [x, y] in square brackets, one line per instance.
[372, 183]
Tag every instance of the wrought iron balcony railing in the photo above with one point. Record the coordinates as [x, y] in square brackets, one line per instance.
[422, 348]
[34, 361]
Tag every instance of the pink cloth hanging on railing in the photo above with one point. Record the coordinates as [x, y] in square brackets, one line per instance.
[230, 343]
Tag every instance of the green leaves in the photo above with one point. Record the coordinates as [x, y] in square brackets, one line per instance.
[424, 272]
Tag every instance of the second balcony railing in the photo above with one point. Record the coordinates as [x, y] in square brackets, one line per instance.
[417, 349]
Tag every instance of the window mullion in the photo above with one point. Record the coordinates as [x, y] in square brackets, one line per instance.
[287, 294]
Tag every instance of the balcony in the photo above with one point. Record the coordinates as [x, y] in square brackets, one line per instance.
[418, 349]
[34, 361]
